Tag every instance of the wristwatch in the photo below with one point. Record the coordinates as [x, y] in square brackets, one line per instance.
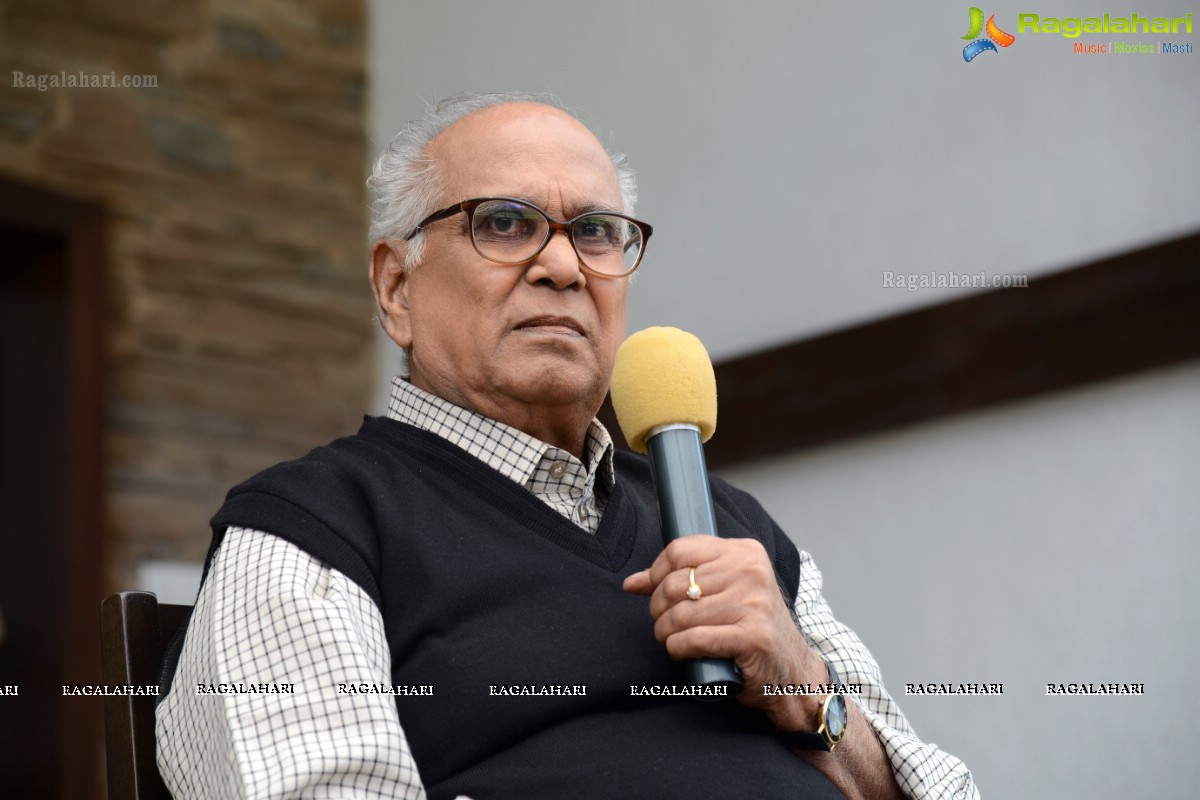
[831, 721]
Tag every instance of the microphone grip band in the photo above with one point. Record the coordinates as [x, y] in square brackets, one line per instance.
[685, 508]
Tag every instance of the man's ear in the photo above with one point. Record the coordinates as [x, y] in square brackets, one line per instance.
[390, 283]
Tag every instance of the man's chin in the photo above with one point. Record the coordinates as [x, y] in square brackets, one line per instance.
[565, 386]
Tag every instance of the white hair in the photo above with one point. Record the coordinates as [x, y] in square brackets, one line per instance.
[407, 184]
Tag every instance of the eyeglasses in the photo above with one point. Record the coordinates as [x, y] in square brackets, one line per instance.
[509, 231]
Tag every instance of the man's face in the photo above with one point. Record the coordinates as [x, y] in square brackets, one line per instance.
[511, 341]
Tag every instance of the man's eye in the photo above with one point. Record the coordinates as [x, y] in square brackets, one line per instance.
[505, 224]
[597, 230]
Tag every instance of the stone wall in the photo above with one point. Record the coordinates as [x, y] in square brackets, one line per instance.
[230, 157]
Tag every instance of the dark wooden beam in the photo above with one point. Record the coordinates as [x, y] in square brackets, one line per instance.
[1122, 314]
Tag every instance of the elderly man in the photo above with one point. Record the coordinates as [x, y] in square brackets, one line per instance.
[463, 598]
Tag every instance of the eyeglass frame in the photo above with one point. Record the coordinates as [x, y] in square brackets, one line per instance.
[468, 207]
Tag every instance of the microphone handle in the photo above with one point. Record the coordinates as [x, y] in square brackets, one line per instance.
[685, 508]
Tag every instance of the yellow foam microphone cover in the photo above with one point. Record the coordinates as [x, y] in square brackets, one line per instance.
[663, 376]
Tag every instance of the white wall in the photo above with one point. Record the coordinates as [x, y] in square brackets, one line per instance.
[1049, 541]
[789, 154]
[821, 143]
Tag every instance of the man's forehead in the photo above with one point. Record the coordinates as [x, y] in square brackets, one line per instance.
[518, 148]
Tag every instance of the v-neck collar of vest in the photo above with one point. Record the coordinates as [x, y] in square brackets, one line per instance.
[609, 548]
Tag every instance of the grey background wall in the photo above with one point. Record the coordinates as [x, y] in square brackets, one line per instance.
[789, 155]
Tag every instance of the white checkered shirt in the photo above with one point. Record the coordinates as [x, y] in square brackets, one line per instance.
[271, 613]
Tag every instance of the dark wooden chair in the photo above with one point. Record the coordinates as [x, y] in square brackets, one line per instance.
[134, 631]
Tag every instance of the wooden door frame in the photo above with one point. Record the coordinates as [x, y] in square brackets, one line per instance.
[80, 226]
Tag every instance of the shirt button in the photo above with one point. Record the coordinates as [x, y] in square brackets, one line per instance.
[558, 469]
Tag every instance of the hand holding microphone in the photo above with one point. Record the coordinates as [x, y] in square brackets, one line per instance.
[715, 601]
[665, 395]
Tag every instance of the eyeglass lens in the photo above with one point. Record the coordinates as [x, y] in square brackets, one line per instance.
[511, 232]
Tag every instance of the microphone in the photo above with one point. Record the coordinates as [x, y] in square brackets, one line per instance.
[665, 394]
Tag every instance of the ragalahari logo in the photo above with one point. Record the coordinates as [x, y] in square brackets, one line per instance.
[994, 34]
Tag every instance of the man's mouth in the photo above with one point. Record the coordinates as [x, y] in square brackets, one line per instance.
[552, 324]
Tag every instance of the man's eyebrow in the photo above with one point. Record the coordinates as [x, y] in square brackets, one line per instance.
[575, 210]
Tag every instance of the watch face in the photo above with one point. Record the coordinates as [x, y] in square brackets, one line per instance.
[835, 717]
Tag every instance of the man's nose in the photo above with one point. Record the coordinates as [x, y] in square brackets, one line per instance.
[558, 264]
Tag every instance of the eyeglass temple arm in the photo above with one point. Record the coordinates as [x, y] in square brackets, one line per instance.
[445, 212]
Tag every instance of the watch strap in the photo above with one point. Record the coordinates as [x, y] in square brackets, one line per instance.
[813, 740]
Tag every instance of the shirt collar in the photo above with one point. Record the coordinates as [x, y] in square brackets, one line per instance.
[511, 452]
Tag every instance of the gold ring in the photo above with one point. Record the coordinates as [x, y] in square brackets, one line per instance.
[693, 591]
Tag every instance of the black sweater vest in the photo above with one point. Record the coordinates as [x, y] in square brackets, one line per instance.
[480, 584]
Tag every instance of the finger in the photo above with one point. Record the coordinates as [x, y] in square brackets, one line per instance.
[710, 577]
[720, 610]
[742, 566]
[730, 606]
[639, 583]
[704, 641]
[686, 552]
